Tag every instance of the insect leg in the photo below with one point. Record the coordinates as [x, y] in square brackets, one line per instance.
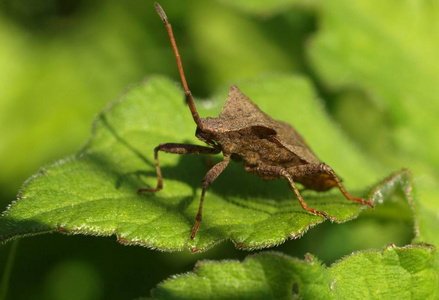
[282, 172]
[210, 177]
[175, 149]
[299, 197]
[328, 170]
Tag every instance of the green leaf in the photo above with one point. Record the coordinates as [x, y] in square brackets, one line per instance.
[95, 192]
[397, 273]
[403, 273]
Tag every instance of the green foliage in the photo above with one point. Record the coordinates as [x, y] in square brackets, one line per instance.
[372, 64]
[392, 60]
[401, 273]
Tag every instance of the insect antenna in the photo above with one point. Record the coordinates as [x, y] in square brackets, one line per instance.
[189, 98]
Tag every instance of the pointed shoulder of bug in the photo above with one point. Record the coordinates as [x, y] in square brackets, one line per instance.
[238, 113]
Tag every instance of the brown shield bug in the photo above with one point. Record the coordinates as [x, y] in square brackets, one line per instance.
[242, 132]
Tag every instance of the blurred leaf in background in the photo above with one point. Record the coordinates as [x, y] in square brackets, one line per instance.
[61, 62]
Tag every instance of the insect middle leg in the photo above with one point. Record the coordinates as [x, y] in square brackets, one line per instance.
[175, 149]
[283, 173]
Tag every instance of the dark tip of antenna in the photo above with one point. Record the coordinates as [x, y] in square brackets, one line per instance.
[161, 13]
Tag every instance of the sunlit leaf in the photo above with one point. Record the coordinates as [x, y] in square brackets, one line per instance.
[95, 191]
[400, 273]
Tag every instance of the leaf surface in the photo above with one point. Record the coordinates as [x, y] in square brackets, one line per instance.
[95, 191]
[400, 273]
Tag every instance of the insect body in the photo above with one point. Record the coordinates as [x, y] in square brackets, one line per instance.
[268, 148]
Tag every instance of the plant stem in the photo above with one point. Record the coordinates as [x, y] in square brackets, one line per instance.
[4, 284]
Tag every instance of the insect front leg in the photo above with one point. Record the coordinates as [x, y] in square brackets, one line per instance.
[175, 149]
[210, 177]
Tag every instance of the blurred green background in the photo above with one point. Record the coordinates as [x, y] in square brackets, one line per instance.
[373, 64]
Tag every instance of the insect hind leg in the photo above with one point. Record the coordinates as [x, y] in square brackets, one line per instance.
[328, 170]
[309, 174]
